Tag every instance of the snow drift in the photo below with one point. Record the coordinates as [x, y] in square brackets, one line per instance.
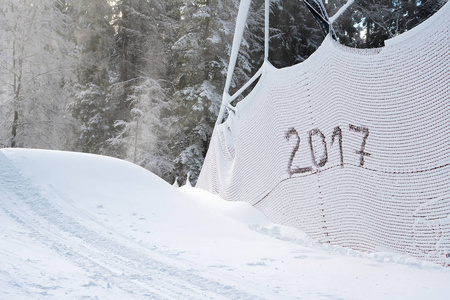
[86, 226]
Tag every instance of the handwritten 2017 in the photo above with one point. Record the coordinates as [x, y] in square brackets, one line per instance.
[320, 160]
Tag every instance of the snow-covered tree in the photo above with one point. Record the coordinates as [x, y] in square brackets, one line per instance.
[368, 23]
[204, 36]
[36, 59]
[144, 134]
[141, 87]
[92, 103]
[294, 33]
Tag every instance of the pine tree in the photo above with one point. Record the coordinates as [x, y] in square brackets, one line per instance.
[141, 89]
[294, 33]
[368, 23]
[200, 53]
[93, 105]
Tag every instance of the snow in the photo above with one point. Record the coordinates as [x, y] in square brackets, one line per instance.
[85, 226]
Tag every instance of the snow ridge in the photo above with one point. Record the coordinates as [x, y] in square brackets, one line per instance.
[133, 270]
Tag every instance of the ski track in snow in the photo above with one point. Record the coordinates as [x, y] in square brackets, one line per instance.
[75, 226]
[132, 269]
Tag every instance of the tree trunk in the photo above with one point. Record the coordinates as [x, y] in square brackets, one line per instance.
[14, 129]
[15, 104]
[136, 141]
[368, 34]
[16, 86]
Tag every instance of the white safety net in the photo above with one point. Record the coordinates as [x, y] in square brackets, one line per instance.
[352, 146]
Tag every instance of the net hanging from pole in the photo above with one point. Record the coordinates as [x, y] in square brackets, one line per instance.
[351, 146]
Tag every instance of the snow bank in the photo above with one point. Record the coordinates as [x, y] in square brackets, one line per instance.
[77, 225]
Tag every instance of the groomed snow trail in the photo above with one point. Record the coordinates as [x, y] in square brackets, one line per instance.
[123, 270]
[78, 226]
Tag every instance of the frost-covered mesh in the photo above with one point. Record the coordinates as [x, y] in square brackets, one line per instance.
[352, 146]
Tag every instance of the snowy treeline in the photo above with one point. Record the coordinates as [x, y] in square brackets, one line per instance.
[142, 79]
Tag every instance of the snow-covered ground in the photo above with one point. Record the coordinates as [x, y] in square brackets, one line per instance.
[78, 226]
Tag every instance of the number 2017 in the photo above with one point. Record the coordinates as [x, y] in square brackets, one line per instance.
[319, 162]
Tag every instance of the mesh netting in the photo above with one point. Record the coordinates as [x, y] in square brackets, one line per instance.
[352, 146]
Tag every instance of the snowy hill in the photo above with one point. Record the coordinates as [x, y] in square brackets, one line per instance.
[83, 226]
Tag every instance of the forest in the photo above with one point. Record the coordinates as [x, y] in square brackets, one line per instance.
[142, 80]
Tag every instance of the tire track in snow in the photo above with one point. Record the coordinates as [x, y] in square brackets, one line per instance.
[98, 254]
[59, 245]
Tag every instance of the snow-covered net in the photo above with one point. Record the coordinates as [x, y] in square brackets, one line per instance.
[352, 146]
